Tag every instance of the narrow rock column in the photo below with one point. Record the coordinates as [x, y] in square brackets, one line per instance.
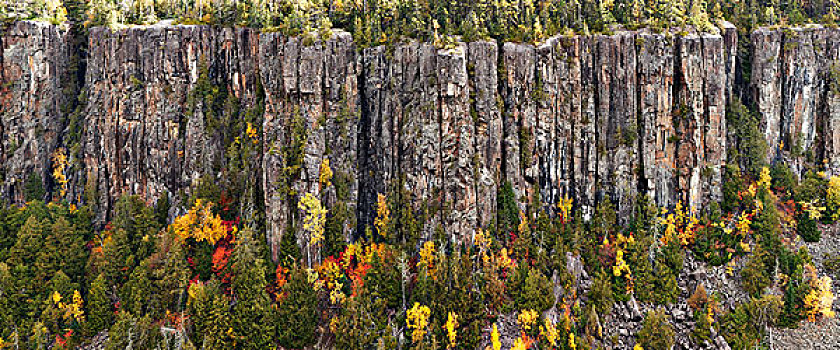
[482, 58]
[799, 97]
[418, 110]
[765, 85]
[310, 123]
[341, 97]
[617, 132]
[457, 147]
[566, 104]
[827, 50]
[546, 96]
[690, 120]
[519, 119]
[714, 120]
[658, 146]
[730, 53]
[581, 50]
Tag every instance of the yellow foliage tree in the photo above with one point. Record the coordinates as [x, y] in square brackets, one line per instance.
[252, 133]
[494, 338]
[200, 223]
[417, 320]
[527, 319]
[315, 216]
[427, 258]
[819, 299]
[59, 159]
[549, 332]
[71, 311]
[314, 219]
[383, 215]
[325, 174]
[451, 328]
[565, 208]
[832, 197]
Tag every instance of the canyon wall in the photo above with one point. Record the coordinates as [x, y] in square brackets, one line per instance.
[619, 116]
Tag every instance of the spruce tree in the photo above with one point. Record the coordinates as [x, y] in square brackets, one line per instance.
[289, 253]
[297, 317]
[251, 314]
[99, 307]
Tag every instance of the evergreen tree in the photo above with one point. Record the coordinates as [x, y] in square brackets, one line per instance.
[209, 313]
[289, 252]
[297, 317]
[99, 308]
[251, 314]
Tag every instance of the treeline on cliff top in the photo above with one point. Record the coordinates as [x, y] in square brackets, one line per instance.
[374, 22]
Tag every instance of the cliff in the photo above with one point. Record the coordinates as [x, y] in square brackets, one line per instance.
[32, 65]
[795, 80]
[441, 129]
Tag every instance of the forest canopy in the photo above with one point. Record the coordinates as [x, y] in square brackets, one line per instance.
[375, 22]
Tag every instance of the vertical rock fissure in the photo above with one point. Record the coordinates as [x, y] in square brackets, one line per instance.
[676, 107]
[596, 62]
[363, 150]
[782, 82]
[642, 183]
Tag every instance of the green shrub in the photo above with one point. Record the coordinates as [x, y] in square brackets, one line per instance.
[657, 333]
[813, 187]
[744, 327]
[783, 179]
[601, 293]
[754, 276]
[807, 228]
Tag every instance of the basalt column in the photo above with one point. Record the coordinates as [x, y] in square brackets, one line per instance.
[482, 58]
[657, 135]
[615, 123]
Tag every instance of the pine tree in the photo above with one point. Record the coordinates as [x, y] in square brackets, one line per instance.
[209, 310]
[120, 335]
[28, 246]
[63, 250]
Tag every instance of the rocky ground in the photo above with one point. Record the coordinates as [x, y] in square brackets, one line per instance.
[820, 335]
[824, 334]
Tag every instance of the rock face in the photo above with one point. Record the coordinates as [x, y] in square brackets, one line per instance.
[310, 124]
[441, 129]
[33, 62]
[795, 78]
[437, 130]
[151, 128]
